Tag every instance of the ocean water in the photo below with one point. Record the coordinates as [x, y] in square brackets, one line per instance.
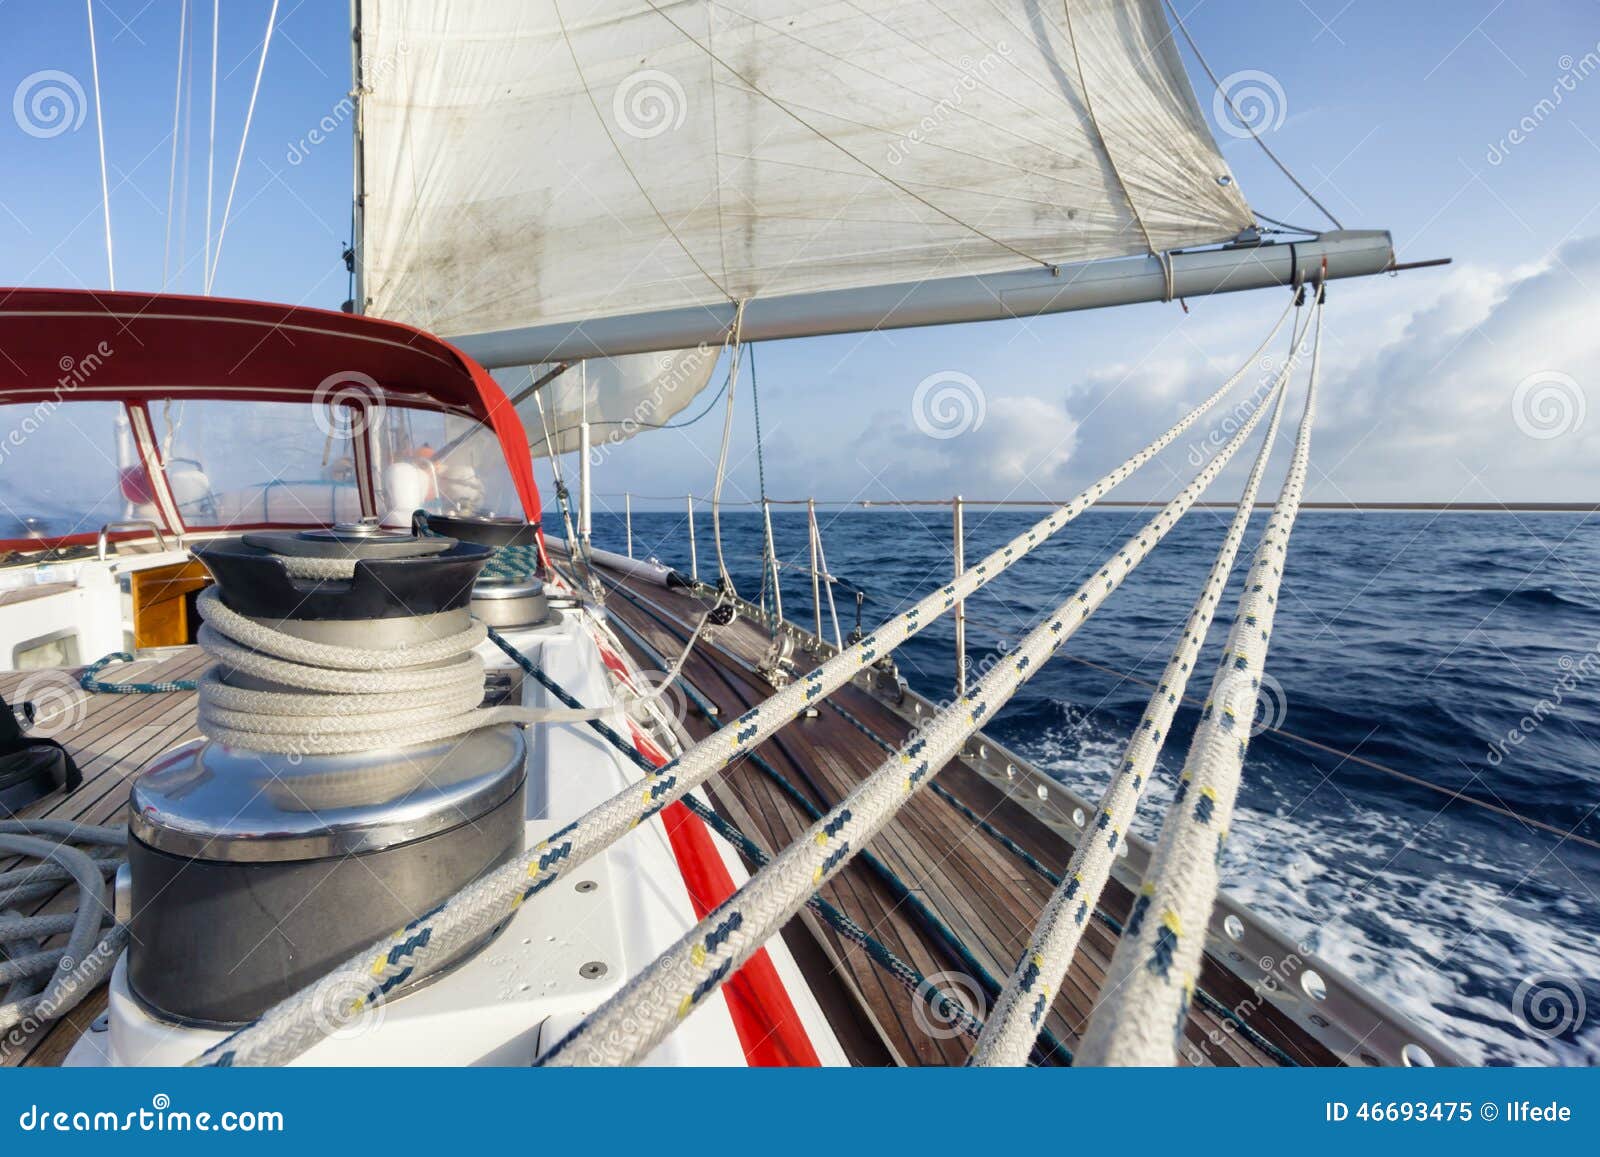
[1457, 649]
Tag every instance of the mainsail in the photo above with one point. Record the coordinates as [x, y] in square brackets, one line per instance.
[560, 163]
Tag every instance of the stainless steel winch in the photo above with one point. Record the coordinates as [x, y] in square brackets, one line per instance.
[251, 872]
[499, 601]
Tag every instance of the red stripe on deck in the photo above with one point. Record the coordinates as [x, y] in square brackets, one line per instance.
[769, 1028]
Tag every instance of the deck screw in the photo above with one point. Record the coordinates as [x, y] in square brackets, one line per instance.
[585, 886]
[593, 970]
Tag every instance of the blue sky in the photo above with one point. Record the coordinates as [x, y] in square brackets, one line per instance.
[1391, 113]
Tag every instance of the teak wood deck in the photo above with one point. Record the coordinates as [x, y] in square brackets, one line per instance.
[112, 738]
[981, 890]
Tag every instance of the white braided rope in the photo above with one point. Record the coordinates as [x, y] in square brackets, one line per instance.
[650, 1006]
[294, 1024]
[1018, 1014]
[343, 698]
[1152, 974]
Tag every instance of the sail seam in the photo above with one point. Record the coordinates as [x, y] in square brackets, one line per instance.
[798, 119]
[643, 192]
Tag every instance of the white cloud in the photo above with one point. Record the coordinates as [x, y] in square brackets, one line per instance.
[1419, 376]
[1426, 412]
[1024, 447]
[1417, 391]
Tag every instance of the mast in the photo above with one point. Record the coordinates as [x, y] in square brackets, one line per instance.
[1025, 293]
[358, 296]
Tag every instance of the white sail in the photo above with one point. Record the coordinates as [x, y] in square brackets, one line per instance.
[530, 162]
[619, 397]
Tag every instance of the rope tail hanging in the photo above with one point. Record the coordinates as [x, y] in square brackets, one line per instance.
[1019, 1013]
[1152, 974]
[671, 987]
[736, 347]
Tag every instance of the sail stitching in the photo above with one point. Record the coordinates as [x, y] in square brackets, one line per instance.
[643, 192]
[1094, 121]
[798, 119]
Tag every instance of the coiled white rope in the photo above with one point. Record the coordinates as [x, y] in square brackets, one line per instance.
[1152, 974]
[672, 986]
[341, 698]
[294, 1025]
[1019, 1011]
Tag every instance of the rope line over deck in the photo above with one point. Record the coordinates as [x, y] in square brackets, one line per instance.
[293, 1025]
[1152, 974]
[669, 989]
[1014, 1024]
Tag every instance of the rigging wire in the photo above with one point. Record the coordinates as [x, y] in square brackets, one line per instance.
[576, 545]
[1233, 108]
[630, 1022]
[897, 887]
[244, 137]
[100, 133]
[188, 135]
[211, 147]
[293, 1025]
[172, 165]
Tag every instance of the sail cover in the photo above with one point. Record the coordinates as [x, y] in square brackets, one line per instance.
[538, 161]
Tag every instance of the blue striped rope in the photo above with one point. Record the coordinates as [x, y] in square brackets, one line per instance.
[897, 887]
[1027, 858]
[843, 924]
[157, 687]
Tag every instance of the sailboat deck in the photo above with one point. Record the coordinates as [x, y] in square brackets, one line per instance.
[112, 738]
[983, 892]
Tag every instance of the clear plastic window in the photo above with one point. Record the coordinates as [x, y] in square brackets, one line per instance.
[443, 464]
[246, 463]
[68, 468]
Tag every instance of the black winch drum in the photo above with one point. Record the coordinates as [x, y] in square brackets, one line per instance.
[252, 873]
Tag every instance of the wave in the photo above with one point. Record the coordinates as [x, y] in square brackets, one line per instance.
[1411, 640]
[1519, 597]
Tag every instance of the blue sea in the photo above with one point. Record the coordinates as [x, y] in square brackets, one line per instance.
[1459, 649]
